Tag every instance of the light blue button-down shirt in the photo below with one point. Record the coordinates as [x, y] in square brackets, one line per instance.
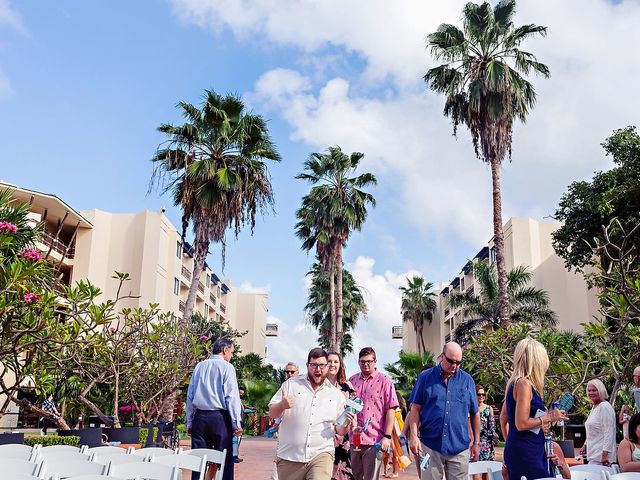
[214, 386]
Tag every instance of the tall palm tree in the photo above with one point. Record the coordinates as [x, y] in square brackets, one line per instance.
[483, 80]
[481, 310]
[215, 166]
[335, 207]
[404, 371]
[418, 305]
[318, 307]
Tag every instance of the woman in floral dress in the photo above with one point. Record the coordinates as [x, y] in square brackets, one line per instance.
[337, 376]
[488, 434]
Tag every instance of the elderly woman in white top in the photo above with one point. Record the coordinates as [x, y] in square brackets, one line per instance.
[600, 447]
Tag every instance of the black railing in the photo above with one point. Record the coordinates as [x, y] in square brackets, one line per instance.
[181, 306]
[186, 272]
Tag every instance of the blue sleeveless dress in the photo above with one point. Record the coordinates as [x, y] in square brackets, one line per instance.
[524, 453]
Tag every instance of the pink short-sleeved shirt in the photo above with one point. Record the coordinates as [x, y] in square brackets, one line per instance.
[378, 395]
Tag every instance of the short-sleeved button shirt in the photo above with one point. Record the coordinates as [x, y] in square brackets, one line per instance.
[378, 395]
[445, 409]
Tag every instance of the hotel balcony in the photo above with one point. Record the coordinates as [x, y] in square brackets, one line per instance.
[271, 330]
[181, 306]
[186, 272]
[223, 309]
[396, 332]
[201, 287]
[212, 298]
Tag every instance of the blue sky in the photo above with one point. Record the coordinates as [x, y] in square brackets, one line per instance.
[83, 86]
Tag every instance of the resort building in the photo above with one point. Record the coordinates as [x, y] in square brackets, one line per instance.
[527, 242]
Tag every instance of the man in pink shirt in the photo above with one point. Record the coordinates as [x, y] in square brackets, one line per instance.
[378, 395]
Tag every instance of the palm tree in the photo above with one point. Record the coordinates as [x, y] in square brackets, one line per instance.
[404, 371]
[333, 208]
[526, 303]
[418, 305]
[483, 80]
[318, 307]
[214, 164]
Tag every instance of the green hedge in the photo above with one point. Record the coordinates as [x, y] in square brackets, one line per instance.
[52, 440]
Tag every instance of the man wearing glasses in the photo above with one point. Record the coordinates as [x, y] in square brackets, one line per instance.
[378, 395]
[309, 406]
[290, 370]
[442, 402]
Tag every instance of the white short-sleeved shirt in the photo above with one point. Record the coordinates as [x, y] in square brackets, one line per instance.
[307, 428]
[601, 432]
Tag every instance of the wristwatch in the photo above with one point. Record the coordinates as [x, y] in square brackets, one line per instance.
[387, 436]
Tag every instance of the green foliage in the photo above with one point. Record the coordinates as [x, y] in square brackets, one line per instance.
[49, 440]
[587, 207]
[418, 305]
[482, 309]
[252, 367]
[318, 307]
[144, 434]
[258, 394]
[404, 371]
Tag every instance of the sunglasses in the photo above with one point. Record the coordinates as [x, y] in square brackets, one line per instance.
[289, 372]
[453, 362]
[479, 394]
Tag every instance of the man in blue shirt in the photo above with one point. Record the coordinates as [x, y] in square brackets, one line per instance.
[443, 402]
[214, 410]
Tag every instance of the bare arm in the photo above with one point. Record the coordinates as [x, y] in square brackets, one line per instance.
[624, 457]
[412, 419]
[522, 393]
[504, 420]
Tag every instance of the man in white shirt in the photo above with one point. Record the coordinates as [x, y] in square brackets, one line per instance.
[309, 405]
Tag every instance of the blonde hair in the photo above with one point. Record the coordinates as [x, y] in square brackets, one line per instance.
[602, 390]
[530, 361]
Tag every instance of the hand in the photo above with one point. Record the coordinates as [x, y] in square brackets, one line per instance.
[557, 414]
[605, 459]
[287, 400]
[385, 444]
[237, 432]
[583, 450]
[415, 446]
[351, 419]
[475, 452]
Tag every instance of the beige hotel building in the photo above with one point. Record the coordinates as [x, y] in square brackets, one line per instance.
[527, 242]
[92, 244]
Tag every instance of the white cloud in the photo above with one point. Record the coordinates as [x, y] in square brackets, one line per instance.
[292, 343]
[11, 18]
[247, 287]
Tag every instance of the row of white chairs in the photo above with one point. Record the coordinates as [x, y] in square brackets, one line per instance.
[597, 472]
[61, 461]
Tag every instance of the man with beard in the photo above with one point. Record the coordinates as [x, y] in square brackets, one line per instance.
[309, 405]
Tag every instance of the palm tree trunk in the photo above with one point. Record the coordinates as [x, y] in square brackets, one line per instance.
[339, 300]
[498, 242]
[200, 255]
[332, 293]
[418, 329]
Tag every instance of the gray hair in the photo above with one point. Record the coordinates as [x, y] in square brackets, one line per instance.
[221, 344]
[602, 390]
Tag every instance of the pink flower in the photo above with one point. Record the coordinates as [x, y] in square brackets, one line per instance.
[203, 337]
[113, 329]
[31, 254]
[8, 227]
[31, 297]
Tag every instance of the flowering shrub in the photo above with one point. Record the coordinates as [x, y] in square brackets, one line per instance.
[31, 297]
[8, 227]
[31, 254]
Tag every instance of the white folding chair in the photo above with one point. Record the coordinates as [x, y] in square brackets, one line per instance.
[591, 467]
[598, 474]
[13, 450]
[193, 463]
[146, 470]
[62, 469]
[213, 456]
[106, 449]
[23, 477]
[93, 477]
[484, 466]
[150, 452]
[115, 458]
[14, 466]
[61, 455]
[626, 476]
[61, 448]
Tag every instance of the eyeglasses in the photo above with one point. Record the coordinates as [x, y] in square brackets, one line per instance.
[481, 394]
[367, 362]
[290, 372]
[453, 362]
[316, 366]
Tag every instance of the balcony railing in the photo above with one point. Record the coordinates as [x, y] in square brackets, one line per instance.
[58, 245]
[181, 306]
[271, 330]
[396, 332]
[201, 287]
[212, 297]
[186, 272]
[223, 308]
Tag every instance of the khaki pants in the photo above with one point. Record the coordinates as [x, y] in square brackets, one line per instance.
[319, 468]
[455, 467]
[366, 463]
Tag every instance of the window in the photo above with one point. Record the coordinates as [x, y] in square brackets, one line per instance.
[218, 291]
[208, 281]
[178, 249]
[176, 286]
[492, 254]
[462, 284]
[206, 310]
